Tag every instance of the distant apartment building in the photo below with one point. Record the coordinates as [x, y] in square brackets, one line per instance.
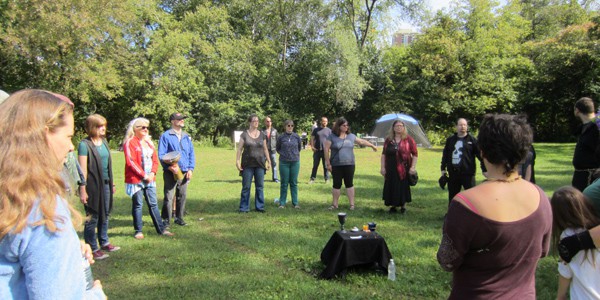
[404, 37]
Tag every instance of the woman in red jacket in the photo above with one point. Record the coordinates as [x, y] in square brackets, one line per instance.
[141, 164]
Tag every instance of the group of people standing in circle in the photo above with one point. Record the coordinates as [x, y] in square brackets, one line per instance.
[334, 148]
[493, 235]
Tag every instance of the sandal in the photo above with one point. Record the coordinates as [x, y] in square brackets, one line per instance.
[332, 207]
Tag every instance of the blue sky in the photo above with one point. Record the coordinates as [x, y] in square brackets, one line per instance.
[434, 5]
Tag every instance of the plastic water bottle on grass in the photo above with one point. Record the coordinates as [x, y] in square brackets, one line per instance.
[391, 270]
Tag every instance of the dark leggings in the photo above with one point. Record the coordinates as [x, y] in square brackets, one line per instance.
[342, 172]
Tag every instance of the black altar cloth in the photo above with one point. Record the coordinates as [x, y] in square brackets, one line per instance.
[345, 250]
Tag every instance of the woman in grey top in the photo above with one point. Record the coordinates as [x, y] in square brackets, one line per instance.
[289, 145]
[255, 161]
[340, 162]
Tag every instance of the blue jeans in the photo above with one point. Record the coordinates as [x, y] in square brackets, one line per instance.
[149, 194]
[289, 175]
[273, 165]
[91, 224]
[259, 181]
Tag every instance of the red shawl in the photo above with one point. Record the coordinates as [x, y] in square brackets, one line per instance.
[406, 150]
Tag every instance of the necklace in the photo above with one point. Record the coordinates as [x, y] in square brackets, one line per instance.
[507, 180]
[253, 134]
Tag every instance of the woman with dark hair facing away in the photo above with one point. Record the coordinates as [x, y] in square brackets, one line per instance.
[495, 233]
[573, 213]
[398, 160]
[40, 253]
[141, 164]
[254, 155]
[97, 194]
[340, 162]
[289, 145]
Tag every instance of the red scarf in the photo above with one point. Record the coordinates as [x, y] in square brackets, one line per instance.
[404, 153]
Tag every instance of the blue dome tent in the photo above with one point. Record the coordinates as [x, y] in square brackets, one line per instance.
[383, 124]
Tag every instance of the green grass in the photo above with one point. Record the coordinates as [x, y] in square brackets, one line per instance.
[276, 255]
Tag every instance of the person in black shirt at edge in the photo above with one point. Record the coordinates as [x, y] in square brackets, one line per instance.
[585, 157]
[458, 159]
[586, 162]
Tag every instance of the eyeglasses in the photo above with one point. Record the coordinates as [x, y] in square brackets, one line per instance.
[290, 125]
[142, 127]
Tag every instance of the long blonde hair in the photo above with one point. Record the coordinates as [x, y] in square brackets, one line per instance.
[129, 133]
[28, 175]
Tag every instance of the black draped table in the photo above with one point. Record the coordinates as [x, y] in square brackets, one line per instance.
[354, 249]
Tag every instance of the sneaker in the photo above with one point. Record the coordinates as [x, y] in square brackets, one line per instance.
[297, 206]
[167, 233]
[281, 206]
[311, 181]
[110, 248]
[276, 201]
[180, 222]
[276, 181]
[99, 255]
[139, 236]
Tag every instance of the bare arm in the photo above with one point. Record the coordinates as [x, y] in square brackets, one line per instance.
[326, 147]
[267, 153]
[382, 171]
[83, 196]
[312, 143]
[413, 167]
[563, 288]
[238, 155]
[365, 143]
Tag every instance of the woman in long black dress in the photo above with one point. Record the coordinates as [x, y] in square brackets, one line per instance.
[398, 160]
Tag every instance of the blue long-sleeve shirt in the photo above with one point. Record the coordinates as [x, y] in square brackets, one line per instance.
[39, 264]
[170, 142]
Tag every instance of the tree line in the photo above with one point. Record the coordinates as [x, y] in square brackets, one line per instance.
[219, 61]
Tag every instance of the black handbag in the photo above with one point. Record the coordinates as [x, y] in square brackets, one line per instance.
[413, 179]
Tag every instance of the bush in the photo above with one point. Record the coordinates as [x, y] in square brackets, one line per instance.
[222, 142]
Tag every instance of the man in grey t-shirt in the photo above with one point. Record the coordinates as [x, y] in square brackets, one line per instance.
[317, 139]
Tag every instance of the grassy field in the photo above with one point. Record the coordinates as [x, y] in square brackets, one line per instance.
[276, 255]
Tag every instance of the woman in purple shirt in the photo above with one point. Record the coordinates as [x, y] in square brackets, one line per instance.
[496, 232]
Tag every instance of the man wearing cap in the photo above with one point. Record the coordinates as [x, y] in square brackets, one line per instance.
[459, 159]
[175, 139]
